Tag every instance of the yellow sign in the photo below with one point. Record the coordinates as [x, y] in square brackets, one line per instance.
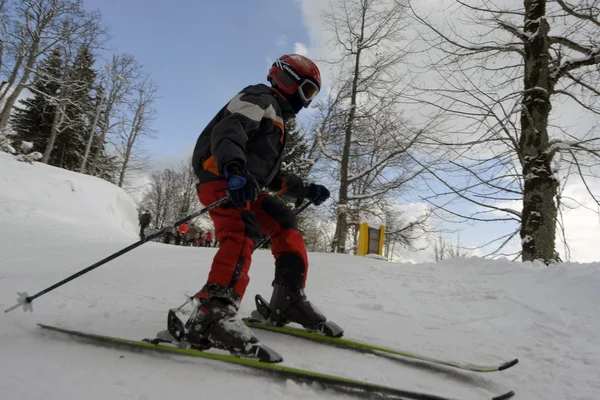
[370, 240]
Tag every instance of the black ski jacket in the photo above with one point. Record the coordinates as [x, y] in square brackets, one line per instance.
[248, 131]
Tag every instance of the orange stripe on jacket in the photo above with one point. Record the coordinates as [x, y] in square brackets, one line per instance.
[283, 187]
[211, 165]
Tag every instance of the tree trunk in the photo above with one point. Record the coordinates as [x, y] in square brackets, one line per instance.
[94, 165]
[341, 228]
[125, 163]
[56, 120]
[538, 221]
[92, 133]
[10, 101]
[135, 128]
[6, 85]
[102, 138]
[8, 106]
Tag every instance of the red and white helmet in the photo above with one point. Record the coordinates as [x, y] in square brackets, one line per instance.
[297, 77]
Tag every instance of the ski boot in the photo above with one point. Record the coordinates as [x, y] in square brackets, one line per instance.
[289, 304]
[213, 323]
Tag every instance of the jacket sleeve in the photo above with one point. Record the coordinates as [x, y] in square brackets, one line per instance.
[288, 184]
[243, 114]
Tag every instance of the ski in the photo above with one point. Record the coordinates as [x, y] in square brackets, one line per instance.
[372, 349]
[363, 388]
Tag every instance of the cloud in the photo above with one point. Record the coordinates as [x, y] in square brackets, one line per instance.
[300, 48]
[582, 224]
[282, 41]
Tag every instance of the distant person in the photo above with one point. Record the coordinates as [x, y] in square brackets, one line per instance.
[208, 239]
[191, 236]
[145, 219]
[183, 230]
[167, 237]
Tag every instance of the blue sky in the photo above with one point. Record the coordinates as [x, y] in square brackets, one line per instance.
[200, 54]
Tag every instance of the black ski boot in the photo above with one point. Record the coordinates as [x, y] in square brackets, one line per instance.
[291, 305]
[213, 323]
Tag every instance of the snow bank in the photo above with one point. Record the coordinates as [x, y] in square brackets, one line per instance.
[55, 200]
[463, 309]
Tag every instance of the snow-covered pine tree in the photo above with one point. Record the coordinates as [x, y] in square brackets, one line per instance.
[296, 150]
[296, 160]
[32, 118]
[79, 110]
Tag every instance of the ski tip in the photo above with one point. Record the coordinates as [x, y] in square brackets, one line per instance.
[508, 364]
[504, 396]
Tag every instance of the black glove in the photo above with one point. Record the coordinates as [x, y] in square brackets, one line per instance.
[317, 194]
[241, 186]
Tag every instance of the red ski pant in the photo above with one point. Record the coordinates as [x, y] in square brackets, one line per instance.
[238, 230]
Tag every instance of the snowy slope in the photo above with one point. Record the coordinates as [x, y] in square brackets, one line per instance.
[53, 223]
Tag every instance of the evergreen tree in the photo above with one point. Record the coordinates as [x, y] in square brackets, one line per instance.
[296, 150]
[79, 111]
[32, 119]
[295, 160]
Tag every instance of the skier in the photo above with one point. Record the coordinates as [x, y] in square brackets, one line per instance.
[191, 236]
[208, 239]
[183, 230]
[238, 153]
[145, 219]
[167, 237]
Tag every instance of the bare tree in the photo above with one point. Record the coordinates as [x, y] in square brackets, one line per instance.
[368, 34]
[30, 29]
[138, 125]
[317, 226]
[187, 195]
[161, 196]
[502, 84]
[72, 86]
[443, 250]
[172, 193]
[121, 75]
[404, 230]
[60, 120]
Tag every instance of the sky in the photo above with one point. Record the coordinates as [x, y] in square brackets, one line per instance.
[201, 53]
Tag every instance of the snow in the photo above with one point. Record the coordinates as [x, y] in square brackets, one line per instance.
[26, 146]
[55, 222]
[560, 145]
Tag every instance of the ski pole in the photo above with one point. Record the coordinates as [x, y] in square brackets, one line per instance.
[24, 300]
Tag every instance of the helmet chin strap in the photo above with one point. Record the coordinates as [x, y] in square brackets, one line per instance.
[296, 103]
[287, 107]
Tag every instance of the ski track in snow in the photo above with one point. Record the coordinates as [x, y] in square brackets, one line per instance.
[54, 223]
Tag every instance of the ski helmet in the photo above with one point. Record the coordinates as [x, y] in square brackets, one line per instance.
[298, 79]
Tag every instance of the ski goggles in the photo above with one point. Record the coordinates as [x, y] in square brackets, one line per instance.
[307, 89]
